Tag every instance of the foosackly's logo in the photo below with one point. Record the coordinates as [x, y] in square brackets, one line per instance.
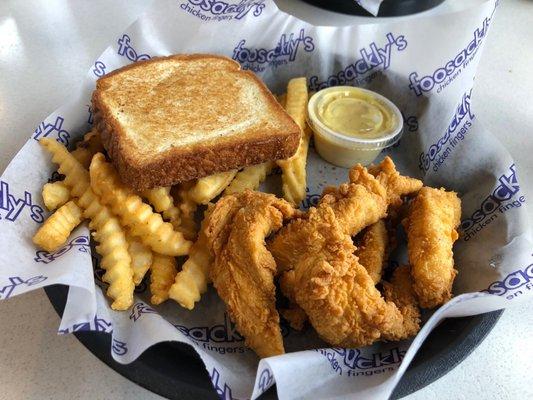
[125, 49]
[214, 10]
[139, 309]
[14, 282]
[222, 333]
[266, 379]
[410, 122]
[222, 388]
[514, 284]
[352, 363]
[97, 324]
[11, 207]
[501, 199]
[372, 58]
[311, 199]
[45, 129]
[90, 118]
[222, 339]
[79, 242]
[118, 347]
[455, 133]
[286, 49]
[444, 75]
[99, 68]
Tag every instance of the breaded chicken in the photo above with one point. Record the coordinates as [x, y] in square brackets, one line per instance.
[333, 289]
[431, 231]
[397, 185]
[294, 314]
[325, 278]
[243, 270]
[372, 249]
[400, 292]
[355, 205]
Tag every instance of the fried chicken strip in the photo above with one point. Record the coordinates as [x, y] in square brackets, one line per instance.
[359, 203]
[327, 281]
[243, 269]
[355, 205]
[400, 292]
[372, 249]
[397, 185]
[294, 314]
[431, 231]
[334, 290]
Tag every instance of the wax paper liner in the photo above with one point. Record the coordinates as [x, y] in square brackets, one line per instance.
[425, 64]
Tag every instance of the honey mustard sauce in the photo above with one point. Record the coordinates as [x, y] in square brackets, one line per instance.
[352, 125]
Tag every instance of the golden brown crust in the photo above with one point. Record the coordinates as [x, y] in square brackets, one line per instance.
[188, 162]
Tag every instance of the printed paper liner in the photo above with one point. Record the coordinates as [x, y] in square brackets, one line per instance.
[426, 65]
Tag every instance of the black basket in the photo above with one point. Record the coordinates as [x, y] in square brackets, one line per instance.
[389, 8]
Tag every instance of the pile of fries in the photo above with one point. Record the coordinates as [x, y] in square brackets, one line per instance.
[141, 232]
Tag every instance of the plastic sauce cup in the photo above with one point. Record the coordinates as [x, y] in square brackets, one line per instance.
[353, 125]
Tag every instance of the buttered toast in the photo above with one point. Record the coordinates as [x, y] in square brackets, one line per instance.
[172, 119]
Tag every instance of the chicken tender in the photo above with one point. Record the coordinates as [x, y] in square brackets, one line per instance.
[431, 231]
[372, 249]
[359, 203]
[243, 270]
[294, 314]
[333, 289]
[400, 292]
[355, 206]
[397, 185]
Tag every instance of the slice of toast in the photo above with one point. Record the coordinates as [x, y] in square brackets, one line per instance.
[172, 119]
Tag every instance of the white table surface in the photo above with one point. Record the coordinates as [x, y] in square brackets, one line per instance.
[37, 364]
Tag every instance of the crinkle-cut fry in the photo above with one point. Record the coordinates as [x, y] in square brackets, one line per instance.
[136, 215]
[173, 216]
[293, 169]
[250, 177]
[372, 249]
[191, 282]
[141, 257]
[209, 187]
[159, 197]
[163, 203]
[162, 274]
[187, 208]
[55, 194]
[113, 246]
[87, 148]
[57, 228]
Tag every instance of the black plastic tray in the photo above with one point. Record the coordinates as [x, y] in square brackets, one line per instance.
[389, 8]
[173, 370]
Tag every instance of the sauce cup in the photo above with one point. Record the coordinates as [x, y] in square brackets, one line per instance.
[353, 125]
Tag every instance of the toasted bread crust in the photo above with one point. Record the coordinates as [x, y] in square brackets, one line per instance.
[184, 163]
[179, 165]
